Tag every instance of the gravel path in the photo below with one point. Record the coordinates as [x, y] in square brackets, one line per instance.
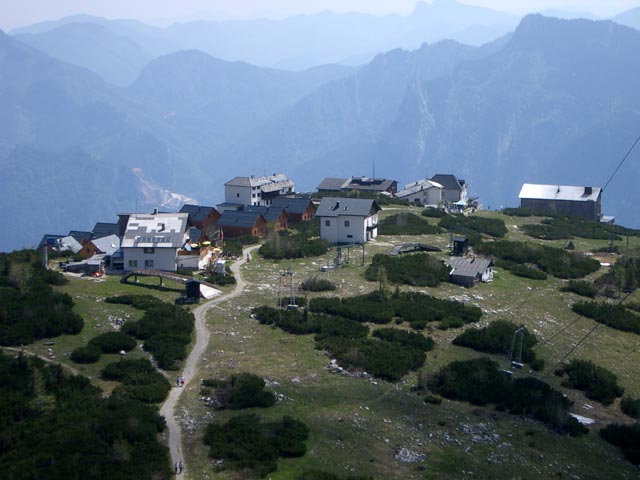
[190, 367]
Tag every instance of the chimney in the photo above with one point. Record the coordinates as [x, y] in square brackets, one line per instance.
[588, 190]
[155, 211]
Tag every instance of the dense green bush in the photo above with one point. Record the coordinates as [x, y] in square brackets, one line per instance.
[528, 272]
[480, 382]
[165, 328]
[405, 223]
[433, 213]
[415, 308]
[614, 316]
[554, 261]
[241, 390]
[630, 406]
[30, 309]
[316, 284]
[596, 382]
[86, 354]
[580, 287]
[56, 426]
[562, 227]
[234, 246]
[346, 340]
[420, 269]
[139, 380]
[220, 279]
[497, 338]
[281, 245]
[520, 212]
[459, 223]
[450, 322]
[113, 342]
[407, 339]
[626, 438]
[244, 442]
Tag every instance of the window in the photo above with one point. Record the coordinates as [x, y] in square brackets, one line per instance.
[148, 250]
[349, 236]
[237, 195]
[346, 223]
[133, 263]
[148, 264]
[253, 195]
[327, 223]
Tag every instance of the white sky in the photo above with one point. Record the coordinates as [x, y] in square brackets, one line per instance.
[15, 13]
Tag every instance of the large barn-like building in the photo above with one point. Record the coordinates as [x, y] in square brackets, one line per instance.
[584, 202]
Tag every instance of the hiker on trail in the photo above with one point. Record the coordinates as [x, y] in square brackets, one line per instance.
[175, 467]
[180, 466]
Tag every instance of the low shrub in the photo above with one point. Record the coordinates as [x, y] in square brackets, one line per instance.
[554, 261]
[405, 223]
[86, 354]
[459, 223]
[596, 382]
[614, 316]
[407, 339]
[421, 269]
[432, 400]
[528, 272]
[433, 213]
[139, 380]
[244, 442]
[316, 284]
[580, 287]
[626, 438]
[283, 245]
[497, 338]
[450, 322]
[242, 390]
[480, 382]
[113, 342]
[630, 406]
[221, 279]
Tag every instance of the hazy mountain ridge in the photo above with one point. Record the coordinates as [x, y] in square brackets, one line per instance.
[116, 58]
[304, 41]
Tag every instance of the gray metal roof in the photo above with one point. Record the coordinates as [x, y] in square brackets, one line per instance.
[267, 183]
[107, 245]
[416, 187]
[468, 267]
[239, 219]
[369, 184]
[448, 181]
[560, 192]
[292, 204]
[160, 230]
[358, 207]
[332, 184]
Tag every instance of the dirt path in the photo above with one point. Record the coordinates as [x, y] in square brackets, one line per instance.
[190, 366]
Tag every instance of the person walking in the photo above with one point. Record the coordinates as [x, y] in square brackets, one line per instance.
[180, 466]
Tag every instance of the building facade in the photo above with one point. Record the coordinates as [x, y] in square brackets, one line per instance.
[152, 241]
[257, 191]
[583, 202]
[348, 220]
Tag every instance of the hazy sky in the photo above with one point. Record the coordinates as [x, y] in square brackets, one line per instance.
[14, 13]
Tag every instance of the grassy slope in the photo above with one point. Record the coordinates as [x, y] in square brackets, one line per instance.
[356, 425]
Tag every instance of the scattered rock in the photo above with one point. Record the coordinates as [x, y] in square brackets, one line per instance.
[405, 455]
